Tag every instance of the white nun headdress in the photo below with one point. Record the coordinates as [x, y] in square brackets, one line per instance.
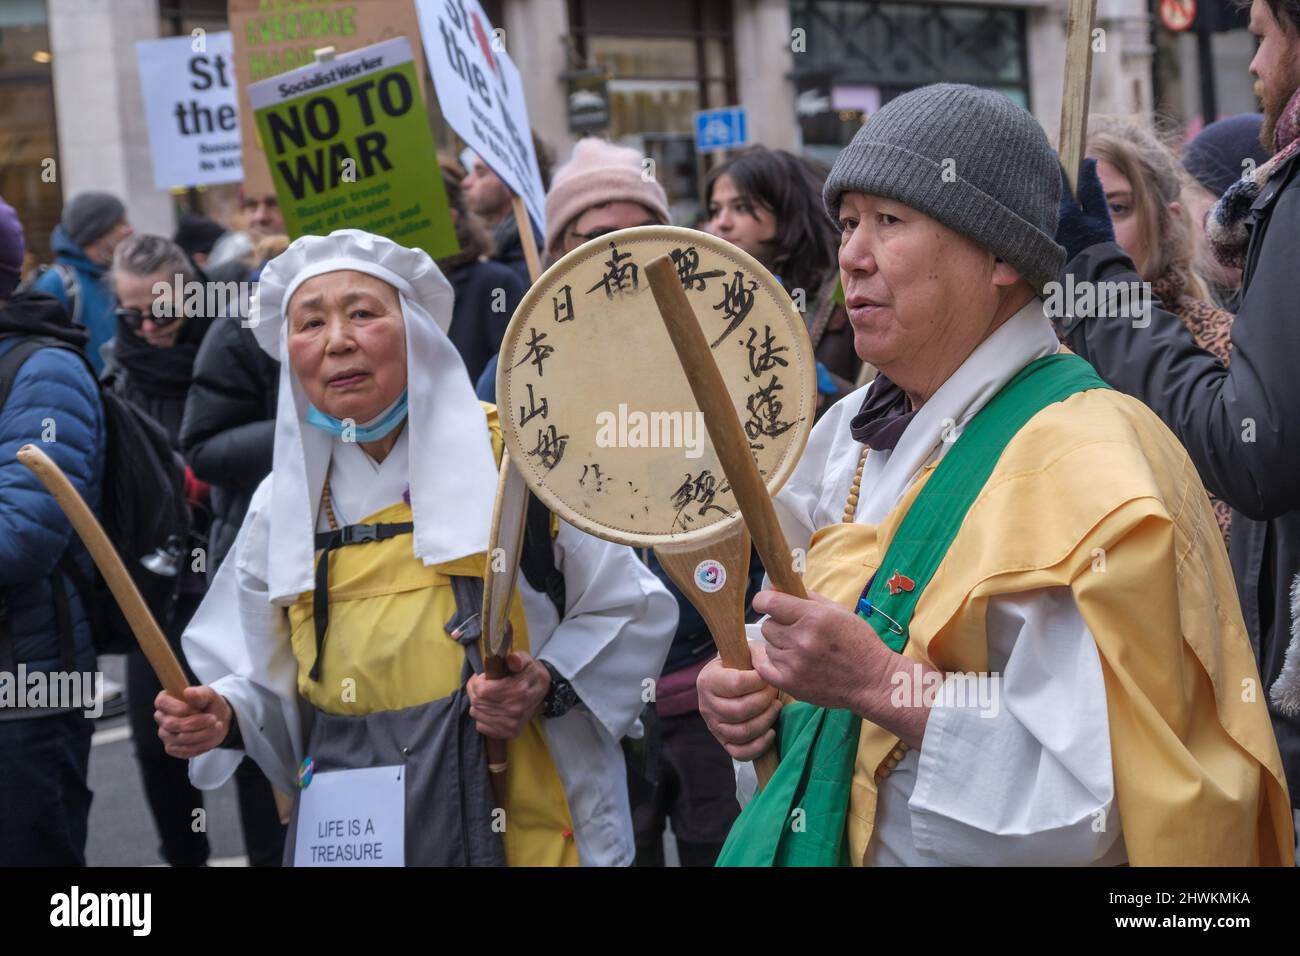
[452, 468]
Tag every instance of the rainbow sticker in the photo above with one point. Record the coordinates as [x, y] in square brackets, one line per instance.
[710, 576]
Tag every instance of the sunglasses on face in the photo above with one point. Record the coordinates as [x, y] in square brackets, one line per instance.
[134, 319]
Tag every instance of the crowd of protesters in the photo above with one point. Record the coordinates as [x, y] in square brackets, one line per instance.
[1209, 224]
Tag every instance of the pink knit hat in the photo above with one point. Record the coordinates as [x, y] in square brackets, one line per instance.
[598, 172]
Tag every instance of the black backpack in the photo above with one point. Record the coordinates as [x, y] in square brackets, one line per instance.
[142, 509]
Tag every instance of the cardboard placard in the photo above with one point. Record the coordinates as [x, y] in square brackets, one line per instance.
[352, 818]
[273, 36]
[189, 104]
[349, 146]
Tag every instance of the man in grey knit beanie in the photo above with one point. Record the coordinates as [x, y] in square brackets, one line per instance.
[999, 478]
[972, 160]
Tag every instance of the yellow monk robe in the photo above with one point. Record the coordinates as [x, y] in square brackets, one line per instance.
[388, 649]
[1095, 494]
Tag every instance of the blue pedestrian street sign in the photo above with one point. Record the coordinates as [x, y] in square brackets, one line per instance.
[723, 128]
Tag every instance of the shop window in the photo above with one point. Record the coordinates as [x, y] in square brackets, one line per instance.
[28, 138]
[860, 54]
[664, 61]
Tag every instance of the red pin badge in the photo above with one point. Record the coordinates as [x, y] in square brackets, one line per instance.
[899, 582]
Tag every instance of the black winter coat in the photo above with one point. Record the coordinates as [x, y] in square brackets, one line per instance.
[481, 312]
[228, 430]
[1240, 424]
[509, 249]
[163, 402]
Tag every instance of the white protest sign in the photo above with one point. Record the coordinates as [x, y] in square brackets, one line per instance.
[353, 818]
[481, 94]
[189, 102]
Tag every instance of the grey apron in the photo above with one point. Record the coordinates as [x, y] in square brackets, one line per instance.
[449, 801]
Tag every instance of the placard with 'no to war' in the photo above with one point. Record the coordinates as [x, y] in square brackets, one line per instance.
[349, 147]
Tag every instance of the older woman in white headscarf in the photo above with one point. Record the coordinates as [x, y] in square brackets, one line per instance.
[338, 642]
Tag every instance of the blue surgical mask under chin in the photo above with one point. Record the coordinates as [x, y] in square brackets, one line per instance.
[374, 430]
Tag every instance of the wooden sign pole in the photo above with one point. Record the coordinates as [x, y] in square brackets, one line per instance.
[499, 586]
[1077, 87]
[525, 227]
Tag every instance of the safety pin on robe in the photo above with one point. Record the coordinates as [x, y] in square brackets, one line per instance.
[866, 609]
[464, 625]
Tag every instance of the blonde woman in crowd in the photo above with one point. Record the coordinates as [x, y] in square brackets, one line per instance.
[1144, 184]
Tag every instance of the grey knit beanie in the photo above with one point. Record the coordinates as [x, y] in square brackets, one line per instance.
[969, 158]
[87, 216]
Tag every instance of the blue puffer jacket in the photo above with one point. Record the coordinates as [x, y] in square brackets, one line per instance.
[96, 306]
[53, 391]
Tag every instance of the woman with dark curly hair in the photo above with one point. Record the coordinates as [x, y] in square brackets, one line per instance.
[769, 203]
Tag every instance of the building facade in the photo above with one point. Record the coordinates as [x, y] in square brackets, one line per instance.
[636, 71]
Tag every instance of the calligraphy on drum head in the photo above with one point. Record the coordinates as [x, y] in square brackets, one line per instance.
[591, 374]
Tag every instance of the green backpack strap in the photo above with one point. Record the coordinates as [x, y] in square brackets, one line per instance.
[799, 818]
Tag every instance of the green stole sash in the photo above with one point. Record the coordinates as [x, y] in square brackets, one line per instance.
[818, 746]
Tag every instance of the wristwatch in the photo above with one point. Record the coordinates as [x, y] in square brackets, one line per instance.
[561, 698]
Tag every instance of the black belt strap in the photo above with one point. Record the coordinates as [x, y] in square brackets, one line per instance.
[328, 541]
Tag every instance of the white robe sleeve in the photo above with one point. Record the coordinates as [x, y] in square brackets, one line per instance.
[238, 644]
[1023, 776]
[617, 628]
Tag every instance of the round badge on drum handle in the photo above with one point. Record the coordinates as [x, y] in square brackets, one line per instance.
[710, 576]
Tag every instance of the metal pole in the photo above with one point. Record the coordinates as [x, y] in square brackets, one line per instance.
[1205, 62]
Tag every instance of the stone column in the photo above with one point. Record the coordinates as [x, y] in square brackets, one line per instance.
[1121, 67]
[103, 137]
[1045, 51]
[1121, 75]
[764, 62]
[536, 32]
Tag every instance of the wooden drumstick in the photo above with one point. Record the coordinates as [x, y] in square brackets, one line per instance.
[147, 633]
[724, 428]
[727, 436]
